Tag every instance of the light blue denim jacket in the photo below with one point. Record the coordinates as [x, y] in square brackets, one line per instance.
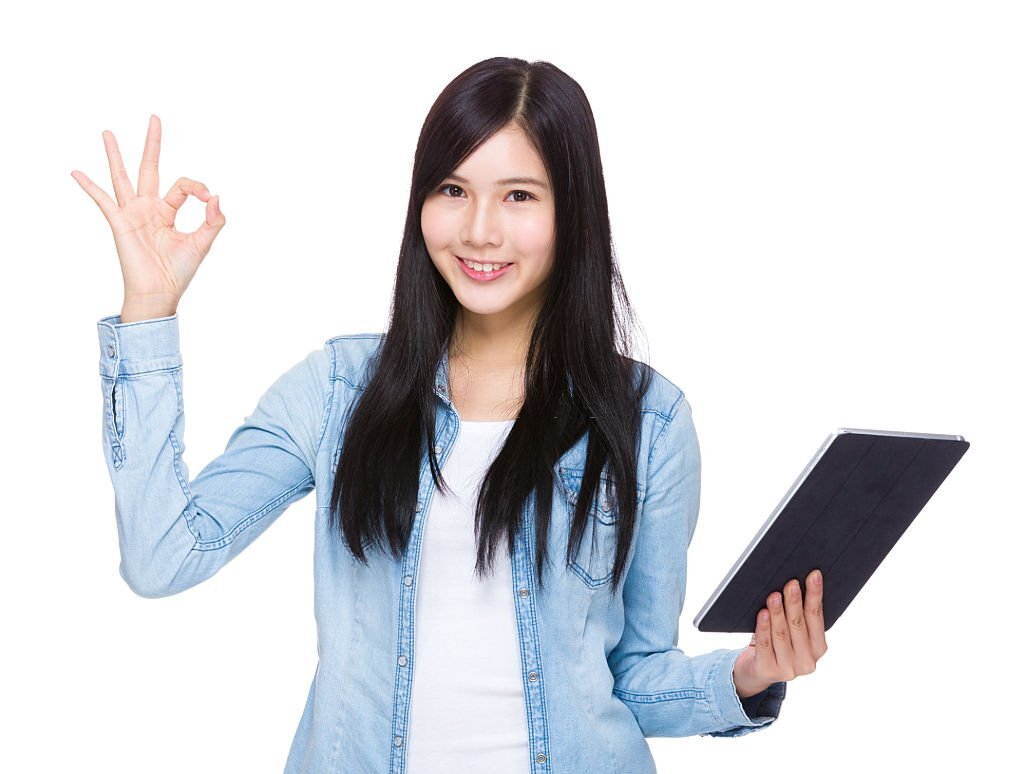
[600, 672]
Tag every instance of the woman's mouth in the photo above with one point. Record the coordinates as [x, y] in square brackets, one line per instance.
[496, 270]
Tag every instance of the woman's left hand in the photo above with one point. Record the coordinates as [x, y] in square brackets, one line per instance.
[788, 639]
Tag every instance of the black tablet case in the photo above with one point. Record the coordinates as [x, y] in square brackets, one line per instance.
[852, 507]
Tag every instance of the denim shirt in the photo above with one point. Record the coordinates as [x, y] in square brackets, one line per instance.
[600, 671]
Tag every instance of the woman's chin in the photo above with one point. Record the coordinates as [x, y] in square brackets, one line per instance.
[481, 306]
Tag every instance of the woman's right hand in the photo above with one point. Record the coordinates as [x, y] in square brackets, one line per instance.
[157, 262]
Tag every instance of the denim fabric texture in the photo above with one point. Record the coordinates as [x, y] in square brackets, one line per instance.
[600, 671]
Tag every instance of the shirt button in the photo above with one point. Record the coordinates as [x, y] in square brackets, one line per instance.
[398, 741]
[402, 661]
[407, 580]
[111, 351]
[533, 677]
[419, 507]
[524, 593]
[437, 449]
[604, 505]
[541, 757]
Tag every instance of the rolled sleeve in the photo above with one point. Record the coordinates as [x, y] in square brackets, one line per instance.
[743, 715]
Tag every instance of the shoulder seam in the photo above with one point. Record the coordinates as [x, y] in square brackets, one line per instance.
[664, 426]
[338, 373]
[326, 416]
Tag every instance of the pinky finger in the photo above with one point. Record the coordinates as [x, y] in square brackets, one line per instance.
[107, 205]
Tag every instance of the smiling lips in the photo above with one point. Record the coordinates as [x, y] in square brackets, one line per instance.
[479, 274]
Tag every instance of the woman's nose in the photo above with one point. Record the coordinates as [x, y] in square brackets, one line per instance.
[482, 226]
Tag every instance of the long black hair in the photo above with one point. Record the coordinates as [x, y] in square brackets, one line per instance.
[579, 377]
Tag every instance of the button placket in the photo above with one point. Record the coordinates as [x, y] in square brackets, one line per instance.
[406, 645]
[529, 645]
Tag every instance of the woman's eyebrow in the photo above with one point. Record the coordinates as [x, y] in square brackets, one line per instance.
[507, 181]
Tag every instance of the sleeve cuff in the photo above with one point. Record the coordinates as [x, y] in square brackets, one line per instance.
[742, 715]
[138, 347]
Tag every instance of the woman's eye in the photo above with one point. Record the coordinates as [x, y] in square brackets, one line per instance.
[448, 185]
[456, 192]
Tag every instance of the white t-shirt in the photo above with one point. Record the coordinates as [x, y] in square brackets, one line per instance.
[468, 709]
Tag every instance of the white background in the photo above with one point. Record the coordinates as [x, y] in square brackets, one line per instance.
[817, 212]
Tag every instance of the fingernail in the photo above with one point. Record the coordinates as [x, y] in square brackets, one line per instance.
[816, 577]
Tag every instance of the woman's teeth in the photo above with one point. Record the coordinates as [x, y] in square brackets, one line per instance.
[484, 266]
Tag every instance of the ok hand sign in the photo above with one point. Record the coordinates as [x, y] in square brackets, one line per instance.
[157, 261]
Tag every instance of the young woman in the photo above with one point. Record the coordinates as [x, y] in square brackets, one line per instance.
[504, 498]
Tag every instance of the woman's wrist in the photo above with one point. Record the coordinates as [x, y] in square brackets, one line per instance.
[133, 312]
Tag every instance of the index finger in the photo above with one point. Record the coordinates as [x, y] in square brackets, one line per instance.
[814, 613]
[149, 176]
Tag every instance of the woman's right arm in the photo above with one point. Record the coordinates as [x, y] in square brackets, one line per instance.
[175, 532]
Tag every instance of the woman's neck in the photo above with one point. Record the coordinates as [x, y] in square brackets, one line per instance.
[486, 371]
[490, 344]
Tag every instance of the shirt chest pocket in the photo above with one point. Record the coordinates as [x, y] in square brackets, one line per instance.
[595, 559]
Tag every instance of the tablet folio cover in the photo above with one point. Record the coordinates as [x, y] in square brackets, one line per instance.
[851, 504]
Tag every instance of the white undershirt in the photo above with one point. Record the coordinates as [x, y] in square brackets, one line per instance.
[468, 709]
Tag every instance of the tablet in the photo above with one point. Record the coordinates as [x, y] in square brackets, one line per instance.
[844, 513]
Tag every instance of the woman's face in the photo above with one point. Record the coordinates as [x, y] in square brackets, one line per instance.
[497, 207]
